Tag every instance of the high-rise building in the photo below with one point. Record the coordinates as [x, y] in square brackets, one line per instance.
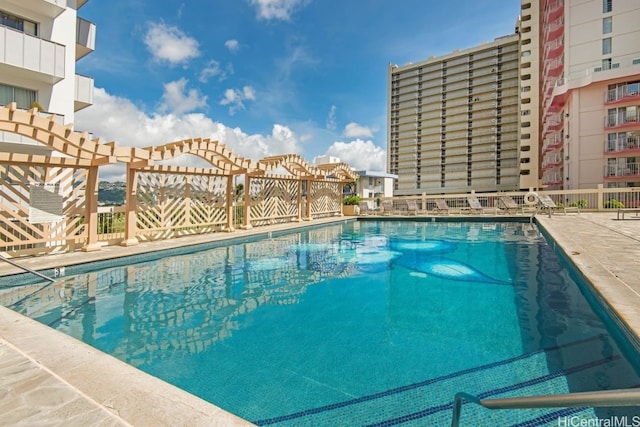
[590, 92]
[40, 42]
[453, 121]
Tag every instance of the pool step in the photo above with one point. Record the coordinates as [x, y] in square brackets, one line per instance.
[430, 402]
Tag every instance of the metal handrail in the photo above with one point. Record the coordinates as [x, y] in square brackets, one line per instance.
[27, 269]
[619, 397]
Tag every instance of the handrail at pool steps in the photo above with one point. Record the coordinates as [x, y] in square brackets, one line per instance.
[27, 269]
[619, 397]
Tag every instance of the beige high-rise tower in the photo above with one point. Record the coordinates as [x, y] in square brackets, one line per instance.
[453, 121]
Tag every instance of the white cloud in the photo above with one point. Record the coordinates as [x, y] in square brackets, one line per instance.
[235, 98]
[213, 69]
[331, 119]
[117, 119]
[169, 44]
[354, 130]
[178, 100]
[277, 9]
[361, 155]
[233, 45]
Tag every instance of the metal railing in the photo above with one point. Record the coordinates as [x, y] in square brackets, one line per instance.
[598, 399]
[27, 269]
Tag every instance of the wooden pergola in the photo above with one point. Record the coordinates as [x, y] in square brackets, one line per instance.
[49, 187]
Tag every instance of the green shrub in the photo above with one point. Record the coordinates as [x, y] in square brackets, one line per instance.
[351, 200]
[582, 203]
[613, 204]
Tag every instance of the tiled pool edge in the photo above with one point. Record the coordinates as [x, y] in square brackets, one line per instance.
[129, 395]
[620, 302]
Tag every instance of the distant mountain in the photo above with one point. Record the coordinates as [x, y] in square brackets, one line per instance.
[111, 193]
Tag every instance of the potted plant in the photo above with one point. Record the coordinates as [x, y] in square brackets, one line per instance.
[350, 205]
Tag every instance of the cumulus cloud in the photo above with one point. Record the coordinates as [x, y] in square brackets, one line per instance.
[169, 44]
[213, 69]
[235, 98]
[178, 100]
[117, 119]
[360, 154]
[331, 118]
[233, 45]
[277, 9]
[354, 130]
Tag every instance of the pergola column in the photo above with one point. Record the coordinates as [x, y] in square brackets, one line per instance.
[246, 221]
[307, 214]
[299, 201]
[229, 204]
[130, 217]
[91, 210]
[340, 198]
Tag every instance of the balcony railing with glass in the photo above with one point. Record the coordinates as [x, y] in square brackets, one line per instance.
[552, 160]
[622, 144]
[552, 142]
[622, 170]
[621, 119]
[552, 178]
[623, 92]
[42, 57]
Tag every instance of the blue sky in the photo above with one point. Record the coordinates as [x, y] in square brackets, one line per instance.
[267, 77]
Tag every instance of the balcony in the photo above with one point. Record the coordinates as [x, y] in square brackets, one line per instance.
[552, 178]
[49, 8]
[30, 57]
[85, 37]
[554, 48]
[553, 68]
[621, 145]
[622, 120]
[552, 142]
[554, 10]
[629, 92]
[623, 171]
[555, 29]
[83, 92]
[552, 160]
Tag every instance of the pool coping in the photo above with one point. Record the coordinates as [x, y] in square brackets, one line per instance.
[128, 396]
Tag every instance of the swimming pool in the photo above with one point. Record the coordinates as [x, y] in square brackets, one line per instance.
[362, 323]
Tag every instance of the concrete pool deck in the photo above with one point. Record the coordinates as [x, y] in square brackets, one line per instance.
[48, 378]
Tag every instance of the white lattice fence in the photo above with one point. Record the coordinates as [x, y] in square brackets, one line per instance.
[273, 201]
[49, 220]
[171, 205]
[325, 199]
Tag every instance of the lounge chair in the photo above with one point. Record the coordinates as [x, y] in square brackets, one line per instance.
[548, 204]
[476, 207]
[412, 208]
[387, 208]
[364, 208]
[441, 207]
[511, 206]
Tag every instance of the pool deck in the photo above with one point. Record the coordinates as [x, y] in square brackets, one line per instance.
[49, 378]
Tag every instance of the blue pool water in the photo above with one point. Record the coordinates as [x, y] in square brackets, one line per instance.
[361, 323]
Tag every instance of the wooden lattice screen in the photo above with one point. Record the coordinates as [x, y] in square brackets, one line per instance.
[325, 199]
[273, 201]
[172, 205]
[20, 232]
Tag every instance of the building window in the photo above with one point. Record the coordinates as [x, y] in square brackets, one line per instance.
[606, 46]
[607, 6]
[607, 25]
[17, 23]
[23, 97]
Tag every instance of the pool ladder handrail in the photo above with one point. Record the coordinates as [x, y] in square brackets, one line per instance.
[25, 268]
[619, 397]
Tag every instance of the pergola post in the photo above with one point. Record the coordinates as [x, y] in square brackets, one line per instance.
[229, 204]
[299, 201]
[246, 222]
[130, 221]
[307, 214]
[340, 198]
[91, 210]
